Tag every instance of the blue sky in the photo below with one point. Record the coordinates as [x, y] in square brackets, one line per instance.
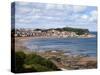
[44, 15]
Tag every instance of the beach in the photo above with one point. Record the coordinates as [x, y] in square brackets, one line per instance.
[59, 58]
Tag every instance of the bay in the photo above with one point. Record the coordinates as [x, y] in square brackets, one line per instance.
[74, 46]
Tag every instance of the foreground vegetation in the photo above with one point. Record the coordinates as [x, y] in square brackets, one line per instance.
[32, 63]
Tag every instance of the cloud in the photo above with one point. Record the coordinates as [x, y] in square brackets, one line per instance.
[22, 3]
[24, 21]
[54, 6]
[32, 14]
[23, 10]
[77, 9]
[85, 17]
[50, 6]
[93, 15]
[49, 17]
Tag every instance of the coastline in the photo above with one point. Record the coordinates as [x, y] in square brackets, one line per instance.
[58, 57]
[45, 37]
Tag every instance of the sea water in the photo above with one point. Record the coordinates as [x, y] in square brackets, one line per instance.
[74, 46]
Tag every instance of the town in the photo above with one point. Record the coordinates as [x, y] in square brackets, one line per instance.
[55, 33]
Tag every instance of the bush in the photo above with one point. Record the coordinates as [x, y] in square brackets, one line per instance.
[36, 59]
[33, 63]
[20, 59]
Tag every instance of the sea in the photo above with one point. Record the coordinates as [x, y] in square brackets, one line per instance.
[72, 46]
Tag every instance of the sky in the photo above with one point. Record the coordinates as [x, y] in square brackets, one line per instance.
[46, 15]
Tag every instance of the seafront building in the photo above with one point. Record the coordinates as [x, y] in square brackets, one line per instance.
[48, 33]
[43, 33]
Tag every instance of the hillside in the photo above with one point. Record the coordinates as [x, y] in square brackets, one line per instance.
[78, 31]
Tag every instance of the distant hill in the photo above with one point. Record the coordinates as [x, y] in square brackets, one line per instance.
[78, 31]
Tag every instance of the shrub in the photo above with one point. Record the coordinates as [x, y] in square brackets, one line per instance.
[33, 63]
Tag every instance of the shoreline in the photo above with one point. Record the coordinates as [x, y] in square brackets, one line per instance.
[21, 41]
[64, 62]
[27, 38]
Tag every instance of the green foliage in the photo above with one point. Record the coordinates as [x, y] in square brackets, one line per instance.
[38, 29]
[76, 30]
[20, 58]
[36, 59]
[33, 63]
[41, 68]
